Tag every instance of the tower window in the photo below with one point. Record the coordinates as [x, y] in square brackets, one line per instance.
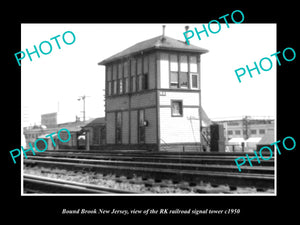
[176, 108]
[183, 80]
[174, 80]
[194, 80]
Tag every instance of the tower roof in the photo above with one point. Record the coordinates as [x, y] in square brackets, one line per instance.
[160, 42]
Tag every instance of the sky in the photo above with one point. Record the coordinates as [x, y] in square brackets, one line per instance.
[53, 82]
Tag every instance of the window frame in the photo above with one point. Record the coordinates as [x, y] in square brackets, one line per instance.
[133, 75]
[174, 84]
[133, 84]
[237, 132]
[141, 127]
[115, 87]
[180, 110]
[261, 131]
[118, 127]
[145, 81]
[187, 80]
[191, 81]
[192, 64]
[140, 82]
[126, 85]
[109, 88]
[180, 65]
[120, 86]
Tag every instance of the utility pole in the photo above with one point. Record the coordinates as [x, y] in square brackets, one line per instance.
[83, 99]
[246, 127]
[200, 107]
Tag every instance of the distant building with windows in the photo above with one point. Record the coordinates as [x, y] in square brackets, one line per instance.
[153, 96]
[247, 130]
[92, 129]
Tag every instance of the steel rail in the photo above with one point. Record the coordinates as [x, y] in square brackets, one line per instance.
[40, 184]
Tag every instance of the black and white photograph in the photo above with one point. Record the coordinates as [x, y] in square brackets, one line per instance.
[149, 111]
[184, 113]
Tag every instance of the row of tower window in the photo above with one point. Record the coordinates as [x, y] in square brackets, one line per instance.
[183, 73]
[121, 86]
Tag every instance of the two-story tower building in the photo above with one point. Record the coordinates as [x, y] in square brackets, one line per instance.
[153, 96]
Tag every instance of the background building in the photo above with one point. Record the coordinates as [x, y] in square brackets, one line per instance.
[96, 133]
[78, 134]
[247, 130]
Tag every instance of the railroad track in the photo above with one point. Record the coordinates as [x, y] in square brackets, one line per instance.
[164, 165]
[217, 169]
[217, 159]
[38, 184]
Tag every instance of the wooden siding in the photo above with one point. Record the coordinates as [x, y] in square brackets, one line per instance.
[179, 129]
[74, 140]
[110, 128]
[143, 100]
[188, 98]
[117, 103]
[150, 116]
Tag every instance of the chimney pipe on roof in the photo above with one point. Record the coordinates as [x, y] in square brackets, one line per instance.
[186, 29]
[163, 34]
